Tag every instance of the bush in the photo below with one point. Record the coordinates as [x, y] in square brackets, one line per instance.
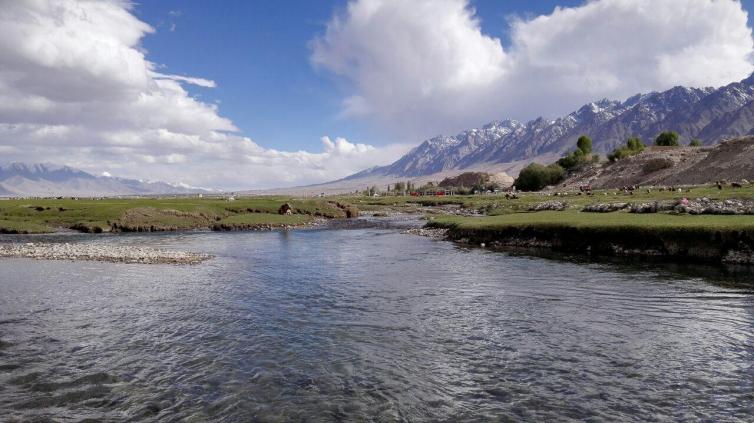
[535, 177]
[633, 146]
[581, 155]
[696, 142]
[657, 164]
[667, 139]
[584, 144]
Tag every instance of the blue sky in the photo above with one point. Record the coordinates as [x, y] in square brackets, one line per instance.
[258, 53]
[260, 94]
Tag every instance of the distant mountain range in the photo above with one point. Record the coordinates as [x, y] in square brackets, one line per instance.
[709, 114]
[47, 180]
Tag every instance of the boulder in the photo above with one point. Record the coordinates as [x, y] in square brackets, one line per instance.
[549, 205]
[604, 207]
[286, 208]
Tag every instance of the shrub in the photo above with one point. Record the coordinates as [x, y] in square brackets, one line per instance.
[535, 177]
[581, 155]
[584, 144]
[633, 146]
[696, 142]
[657, 164]
[667, 139]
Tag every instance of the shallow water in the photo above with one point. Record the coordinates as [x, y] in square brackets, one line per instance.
[369, 324]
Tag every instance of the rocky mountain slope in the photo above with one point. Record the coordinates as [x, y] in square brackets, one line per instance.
[731, 160]
[705, 113]
[46, 180]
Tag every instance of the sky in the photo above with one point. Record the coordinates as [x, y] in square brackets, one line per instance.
[261, 94]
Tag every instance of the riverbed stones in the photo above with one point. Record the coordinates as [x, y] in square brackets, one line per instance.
[720, 207]
[605, 207]
[433, 233]
[100, 252]
[549, 205]
[652, 207]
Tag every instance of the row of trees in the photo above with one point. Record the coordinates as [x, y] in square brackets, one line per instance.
[397, 188]
[535, 176]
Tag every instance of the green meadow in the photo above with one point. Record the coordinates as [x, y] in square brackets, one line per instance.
[156, 214]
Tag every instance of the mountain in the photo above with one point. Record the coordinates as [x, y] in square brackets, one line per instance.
[47, 180]
[709, 114]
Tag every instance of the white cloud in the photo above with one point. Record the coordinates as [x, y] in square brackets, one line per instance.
[424, 66]
[76, 88]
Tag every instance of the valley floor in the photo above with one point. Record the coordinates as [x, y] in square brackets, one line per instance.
[691, 223]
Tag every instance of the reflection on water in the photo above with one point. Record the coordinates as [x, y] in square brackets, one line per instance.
[370, 323]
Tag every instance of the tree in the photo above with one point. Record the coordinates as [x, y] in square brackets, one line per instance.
[633, 146]
[667, 139]
[535, 177]
[696, 142]
[582, 154]
[584, 144]
[399, 187]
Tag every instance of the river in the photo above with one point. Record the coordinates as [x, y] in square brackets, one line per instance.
[370, 324]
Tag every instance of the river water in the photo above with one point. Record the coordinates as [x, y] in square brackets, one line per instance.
[369, 324]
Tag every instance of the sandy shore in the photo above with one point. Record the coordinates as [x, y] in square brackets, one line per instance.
[100, 252]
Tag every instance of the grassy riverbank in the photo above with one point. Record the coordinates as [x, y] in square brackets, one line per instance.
[496, 204]
[710, 238]
[161, 214]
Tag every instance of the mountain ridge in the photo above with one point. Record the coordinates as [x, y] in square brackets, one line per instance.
[710, 114]
[49, 180]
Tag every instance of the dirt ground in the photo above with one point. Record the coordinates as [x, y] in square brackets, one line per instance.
[730, 160]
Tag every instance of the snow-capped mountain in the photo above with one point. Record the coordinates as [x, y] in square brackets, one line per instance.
[47, 180]
[705, 113]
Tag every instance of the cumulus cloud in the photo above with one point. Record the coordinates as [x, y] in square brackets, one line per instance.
[425, 66]
[76, 88]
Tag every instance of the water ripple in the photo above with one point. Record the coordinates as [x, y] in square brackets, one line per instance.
[369, 324]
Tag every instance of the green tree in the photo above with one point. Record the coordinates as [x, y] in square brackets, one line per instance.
[584, 144]
[633, 146]
[535, 177]
[696, 142]
[582, 154]
[399, 187]
[667, 139]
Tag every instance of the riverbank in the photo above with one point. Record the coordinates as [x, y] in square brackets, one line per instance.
[99, 252]
[32, 216]
[677, 237]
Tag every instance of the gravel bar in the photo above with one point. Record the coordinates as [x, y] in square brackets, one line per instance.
[434, 233]
[99, 252]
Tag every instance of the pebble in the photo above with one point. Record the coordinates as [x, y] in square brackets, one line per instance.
[434, 233]
[99, 252]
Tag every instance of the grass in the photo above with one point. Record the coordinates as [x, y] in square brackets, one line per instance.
[22, 227]
[93, 215]
[497, 204]
[583, 220]
[708, 238]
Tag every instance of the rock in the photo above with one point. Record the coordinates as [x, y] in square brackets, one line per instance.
[549, 205]
[100, 252]
[434, 233]
[604, 207]
[286, 208]
[652, 207]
